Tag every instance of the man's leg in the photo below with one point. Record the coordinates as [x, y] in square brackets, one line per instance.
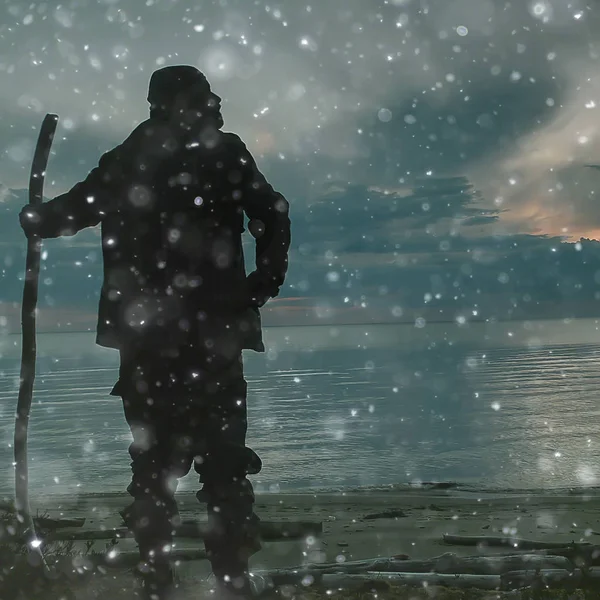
[223, 465]
[159, 458]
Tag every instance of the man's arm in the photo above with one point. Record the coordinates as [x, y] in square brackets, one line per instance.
[84, 205]
[268, 212]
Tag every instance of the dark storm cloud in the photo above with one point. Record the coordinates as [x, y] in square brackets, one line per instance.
[373, 96]
[297, 78]
[358, 219]
[73, 155]
[436, 247]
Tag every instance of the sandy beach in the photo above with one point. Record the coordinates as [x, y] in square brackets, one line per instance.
[377, 522]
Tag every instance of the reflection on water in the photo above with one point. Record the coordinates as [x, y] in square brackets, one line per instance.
[515, 417]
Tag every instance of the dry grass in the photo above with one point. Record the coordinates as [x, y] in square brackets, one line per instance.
[21, 577]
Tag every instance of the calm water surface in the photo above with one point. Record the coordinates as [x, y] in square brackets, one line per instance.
[521, 416]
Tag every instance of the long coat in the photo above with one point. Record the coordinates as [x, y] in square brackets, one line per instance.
[172, 217]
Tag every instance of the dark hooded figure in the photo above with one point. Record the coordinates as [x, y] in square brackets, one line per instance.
[177, 304]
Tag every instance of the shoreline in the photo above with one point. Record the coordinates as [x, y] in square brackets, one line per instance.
[451, 488]
[533, 334]
[367, 523]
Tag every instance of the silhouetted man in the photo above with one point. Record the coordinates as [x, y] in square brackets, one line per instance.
[177, 304]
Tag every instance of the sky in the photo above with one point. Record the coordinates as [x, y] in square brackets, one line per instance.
[348, 102]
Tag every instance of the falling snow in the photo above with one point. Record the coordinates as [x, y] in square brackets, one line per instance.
[438, 319]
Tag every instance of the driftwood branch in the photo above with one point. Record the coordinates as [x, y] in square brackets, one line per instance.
[514, 580]
[476, 540]
[347, 581]
[580, 556]
[114, 558]
[446, 564]
[268, 531]
[48, 523]
[44, 522]
[551, 578]
[386, 514]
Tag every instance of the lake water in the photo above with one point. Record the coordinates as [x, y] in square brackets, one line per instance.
[509, 405]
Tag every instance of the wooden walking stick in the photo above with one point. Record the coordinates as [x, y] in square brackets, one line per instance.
[28, 343]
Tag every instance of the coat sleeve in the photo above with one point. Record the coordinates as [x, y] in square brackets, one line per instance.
[86, 203]
[268, 212]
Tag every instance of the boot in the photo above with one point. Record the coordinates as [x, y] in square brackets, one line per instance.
[233, 588]
[150, 520]
[158, 582]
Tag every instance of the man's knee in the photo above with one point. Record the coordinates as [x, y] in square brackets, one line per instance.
[152, 519]
[159, 467]
[226, 461]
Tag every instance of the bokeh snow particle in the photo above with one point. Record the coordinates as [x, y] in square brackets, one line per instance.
[384, 115]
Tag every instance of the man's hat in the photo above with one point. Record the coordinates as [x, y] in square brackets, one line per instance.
[167, 82]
